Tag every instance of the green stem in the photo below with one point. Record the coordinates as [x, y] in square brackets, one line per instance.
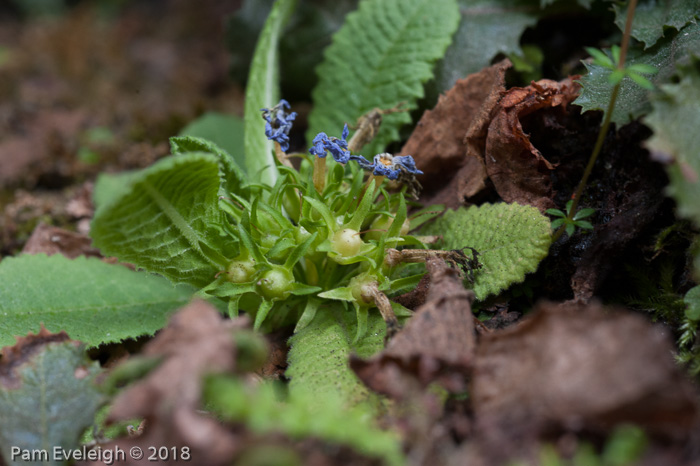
[604, 127]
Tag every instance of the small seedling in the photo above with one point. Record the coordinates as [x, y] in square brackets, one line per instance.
[571, 221]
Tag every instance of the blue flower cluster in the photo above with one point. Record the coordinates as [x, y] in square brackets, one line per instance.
[382, 165]
[388, 165]
[279, 123]
[337, 147]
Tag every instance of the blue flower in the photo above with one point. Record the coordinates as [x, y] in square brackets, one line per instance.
[279, 123]
[388, 165]
[338, 148]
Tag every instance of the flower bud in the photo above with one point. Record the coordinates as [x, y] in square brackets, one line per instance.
[276, 283]
[346, 242]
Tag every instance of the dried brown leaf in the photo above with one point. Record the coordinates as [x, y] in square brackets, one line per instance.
[21, 353]
[573, 367]
[437, 144]
[197, 341]
[53, 240]
[437, 343]
[517, 169]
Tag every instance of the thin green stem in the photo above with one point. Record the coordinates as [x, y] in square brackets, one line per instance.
[604, 127]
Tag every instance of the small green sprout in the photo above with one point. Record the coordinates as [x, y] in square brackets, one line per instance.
[634, 72]
[573, 222]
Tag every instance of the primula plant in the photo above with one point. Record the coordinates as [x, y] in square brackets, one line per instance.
[320, 232]
[299, 226]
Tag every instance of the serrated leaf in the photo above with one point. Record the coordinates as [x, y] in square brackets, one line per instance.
[263, 92]
[486, 28]
[232, 174]
[92, 301]
[318, 359]
[55, 401]
[651, 17]
[633, 100]
[380, 57]
[675, 120]
[304, 415]
[511, 241]
[167, 222]
[226, 131]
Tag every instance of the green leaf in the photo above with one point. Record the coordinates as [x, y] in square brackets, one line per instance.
[599, 58]
[641, 81]
[570, 228]
[318, 359]
[263, 92]
[583, 213]
[341, 294]
[379, 58]
[92, 301]
[304, 415]
[651, 17]
[616, 76]
[584, 224]
[643, 68]
[555, 212]
[615, 52]
[55, 400]
[226, 131]
[233, 175]
[109, 187]
[633, 100]
[511, 241]
[675, 121]
[167, 222]
[557, 223]
[692, 303]
[486, 29]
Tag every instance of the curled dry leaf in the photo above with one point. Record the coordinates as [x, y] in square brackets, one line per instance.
[573, 367]
[517, 169]
[53, 240]
[437, 343]
[196, 342]
[437, 144]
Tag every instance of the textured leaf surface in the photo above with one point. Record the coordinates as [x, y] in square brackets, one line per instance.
[92, 301]
[379, 58]
[226, 131]
[233, 175]
[318, 359]
[652, 16]
[675, 121]
[109, 187]
[633, 100]
[263, 92]
[511, 241]
[304, 415]
[167, 221]
[56, 399]
[486, 28]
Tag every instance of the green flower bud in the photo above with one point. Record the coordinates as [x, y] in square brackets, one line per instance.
[346, 242]
[362, 288]
[241, 270]
[381, 225]
[276, 283]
